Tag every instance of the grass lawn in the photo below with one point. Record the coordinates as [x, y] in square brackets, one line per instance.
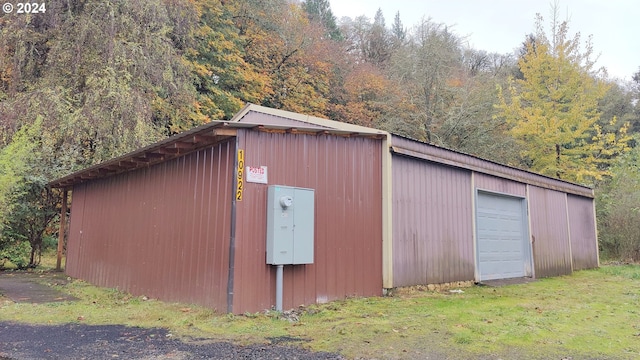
[592, 314]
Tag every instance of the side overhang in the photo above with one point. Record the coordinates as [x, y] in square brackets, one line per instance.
[170, 148]
[186, 145]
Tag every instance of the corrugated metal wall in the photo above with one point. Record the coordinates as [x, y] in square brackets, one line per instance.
[432, 223]
[464, 161]
[346, 175]
[161, 231]
[550, 231]
[500, 185]
[582, 227]
[553, 205]
[74, 247]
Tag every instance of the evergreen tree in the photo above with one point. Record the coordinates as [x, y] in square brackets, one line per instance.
[398, 32]
[378, 44]
[320, 11]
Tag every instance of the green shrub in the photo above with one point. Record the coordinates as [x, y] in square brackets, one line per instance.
[618, 205]
[18, 254]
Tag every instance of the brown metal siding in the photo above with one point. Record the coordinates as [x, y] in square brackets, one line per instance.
[500, 185]
[72, 261]
[584, 244]
[161, 231]
[346, 175]
[432, 223]
[549, 229]
[464, 161]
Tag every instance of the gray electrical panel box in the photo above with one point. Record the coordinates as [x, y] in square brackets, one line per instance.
[290, 222]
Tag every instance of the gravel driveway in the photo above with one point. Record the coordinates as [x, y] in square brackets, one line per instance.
[78, 341]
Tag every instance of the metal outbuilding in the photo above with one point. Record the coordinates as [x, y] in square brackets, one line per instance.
[178, 221]
[185, 219]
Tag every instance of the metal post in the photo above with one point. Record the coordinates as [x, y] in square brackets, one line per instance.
[63, 220]
[279, 276]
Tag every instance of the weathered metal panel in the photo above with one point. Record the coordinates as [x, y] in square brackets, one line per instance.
[432, 223]
[582, 228]
[345, 173]
[269, 119]
[255, 114]
[549, 232]
[72, 261]
[499, 185]
[452, 158]
[162, 231]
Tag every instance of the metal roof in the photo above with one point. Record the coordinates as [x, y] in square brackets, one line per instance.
[408, 147]
[431, 152]
[194, 139]
[218, 131]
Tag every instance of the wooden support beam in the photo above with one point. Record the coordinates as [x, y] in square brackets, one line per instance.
[202, 139]
[61, 231]
[225, 132]
[153, 155]
[272, 131]
[141, 159]
[182, 145]
[301, 132]
[168, 151]
[112, 167]
[98, 172]
[127, 164]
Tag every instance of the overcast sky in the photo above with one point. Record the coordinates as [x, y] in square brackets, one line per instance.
[501, 25]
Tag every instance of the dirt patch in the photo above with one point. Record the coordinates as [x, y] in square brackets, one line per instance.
[33, 287]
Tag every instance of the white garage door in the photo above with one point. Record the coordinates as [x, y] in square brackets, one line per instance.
[500, 237]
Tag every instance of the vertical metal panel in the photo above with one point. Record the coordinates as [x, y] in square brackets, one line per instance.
[550, 232]
[464, 161]
[432, 223]
[345, 173]
[62, 229]
[72, 261]
[162, 231]
[499, 185]
[584, 243]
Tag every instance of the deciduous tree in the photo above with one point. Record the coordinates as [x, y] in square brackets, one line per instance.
[224, 80]
[553, 109]
[27, 205]
[428, 67]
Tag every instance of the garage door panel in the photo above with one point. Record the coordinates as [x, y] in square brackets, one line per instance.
[500, 237]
